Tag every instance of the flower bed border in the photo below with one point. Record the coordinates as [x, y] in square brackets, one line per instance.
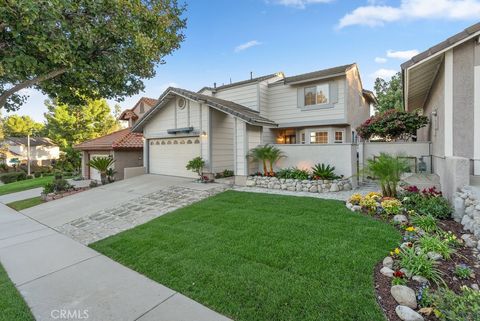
[297, 185]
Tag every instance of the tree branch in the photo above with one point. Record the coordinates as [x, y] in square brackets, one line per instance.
[28, 83]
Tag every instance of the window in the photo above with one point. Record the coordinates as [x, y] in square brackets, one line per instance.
[319, 137]
[338, 136]
[317, 95]
[302, 138]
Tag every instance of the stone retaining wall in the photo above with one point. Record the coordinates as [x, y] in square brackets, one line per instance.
[312, 186]
[467, 212]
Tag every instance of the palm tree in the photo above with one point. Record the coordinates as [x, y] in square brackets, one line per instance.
[273, 155]
[102, 164]
[388, 170]
[260, 153]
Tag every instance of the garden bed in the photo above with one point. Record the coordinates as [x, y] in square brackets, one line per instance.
[297, 185]
[445, 282]
[55, 196]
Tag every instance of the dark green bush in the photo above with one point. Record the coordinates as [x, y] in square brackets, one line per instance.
[13, 177]
[293, 173]
[436, 206]
[322, 171]
[57, 186]
[37, 174]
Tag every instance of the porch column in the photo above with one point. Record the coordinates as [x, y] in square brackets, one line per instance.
[205, 136]
[241, 150]
[476, 110]
[448, 94]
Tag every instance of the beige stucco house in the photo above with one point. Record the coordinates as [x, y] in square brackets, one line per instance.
[125, 147]
[444, 82]
[221, 124]
[42, 151]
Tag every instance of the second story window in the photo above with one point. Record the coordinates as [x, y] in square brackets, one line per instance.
[316, 95]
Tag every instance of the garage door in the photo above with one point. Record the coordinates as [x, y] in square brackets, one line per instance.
[170, 156]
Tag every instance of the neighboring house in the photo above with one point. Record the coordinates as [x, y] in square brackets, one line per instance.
[125, 147]
[444, 82]
[42, 151]
[221, 124]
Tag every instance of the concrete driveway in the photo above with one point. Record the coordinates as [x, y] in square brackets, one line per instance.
[107, 210]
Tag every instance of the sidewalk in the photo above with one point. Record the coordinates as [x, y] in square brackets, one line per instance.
[54, 274]
[23, 195]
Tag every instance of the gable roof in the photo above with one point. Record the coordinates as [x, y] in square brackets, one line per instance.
[130, 111]
[248, 115]
[34, 141]
[122, 139]
[452, 41]
[319, 74]
[243, 82]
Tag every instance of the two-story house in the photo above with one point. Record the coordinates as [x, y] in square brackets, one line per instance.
[222, 124]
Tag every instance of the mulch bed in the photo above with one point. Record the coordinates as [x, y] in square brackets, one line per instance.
[462, 254]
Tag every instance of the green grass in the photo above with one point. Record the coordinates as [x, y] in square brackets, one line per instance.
[12, 306]
[257, 257]
[24, 185]
[23, 204]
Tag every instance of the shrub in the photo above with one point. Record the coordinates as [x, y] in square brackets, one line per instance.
[322, 171]
[266, 153]
[57, 186]
[392, 124]
[228, 173]
[420, 264]
[387, 169]
[102, 164]
[196, 165]
[13, 177]
[424, 204]
[37, 174]
[457, 307]
[425, 297]
[355, 199]
[433, 243]
[48, 188]
[293, 173]
[30, 176]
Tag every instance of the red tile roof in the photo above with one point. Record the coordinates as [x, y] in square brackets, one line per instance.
[149, 101]
[122, 139]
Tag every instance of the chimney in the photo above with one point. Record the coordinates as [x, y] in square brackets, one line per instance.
[215, 85]
[251, 75]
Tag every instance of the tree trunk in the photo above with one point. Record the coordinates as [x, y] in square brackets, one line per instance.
[265, 170]
[103, 178]
[28, 83]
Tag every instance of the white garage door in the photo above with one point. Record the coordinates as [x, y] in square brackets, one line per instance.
[169, 156]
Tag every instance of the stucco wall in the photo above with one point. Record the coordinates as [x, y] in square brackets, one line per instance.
[463, 61]
[125, 159]
[342, 156]
[357, 107]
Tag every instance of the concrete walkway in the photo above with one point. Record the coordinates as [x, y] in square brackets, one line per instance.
[56, 274]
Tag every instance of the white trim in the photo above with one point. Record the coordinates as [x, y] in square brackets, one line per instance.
[339, 131]
[448, 92]
[476, 120]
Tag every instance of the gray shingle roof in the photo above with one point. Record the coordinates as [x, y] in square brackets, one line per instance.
[34, 141]
[243, 82]
[249, 115]
[442, 45]
[324, 73]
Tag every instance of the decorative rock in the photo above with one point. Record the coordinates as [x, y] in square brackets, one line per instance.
[407, 273]
[475, 287]
[387, 272]
[400, 219]
[469, 240]
[434, 256]
[404, 296]
[347, 187]
[313, 189]
[334, 188]
[356, 208]
[407, 314]
[250, 183]
[388, 262]
[420, 279]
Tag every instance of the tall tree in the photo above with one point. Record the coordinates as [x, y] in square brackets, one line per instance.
[69, 125]
[72, 50]
[389, 93]
[21, 126]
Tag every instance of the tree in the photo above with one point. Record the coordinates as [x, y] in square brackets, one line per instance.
[389, 93]
[21, 126]
[388, 170]
[102, 164]
[196, 165]
[273, 155]
[69, 125]
[260, 154]
[73, 50]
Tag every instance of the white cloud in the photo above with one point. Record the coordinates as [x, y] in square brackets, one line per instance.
[377, 15]
[402, 54]
[300, 4]
[247, 45]
[384, 73]
[380, 60]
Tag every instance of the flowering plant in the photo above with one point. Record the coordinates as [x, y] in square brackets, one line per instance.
[391, 206]
[374, 195]
[355, 199]
[395, 252]
[369, 204]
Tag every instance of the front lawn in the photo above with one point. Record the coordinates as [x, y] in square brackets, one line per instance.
[257, 257]
[12, 306]
[24, 185]
[27, 203]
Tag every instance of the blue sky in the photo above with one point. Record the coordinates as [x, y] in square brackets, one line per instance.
[229, 39]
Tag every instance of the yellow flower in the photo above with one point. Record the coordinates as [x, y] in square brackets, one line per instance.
[410, 229]
[391, 206]
[355, 199]
[397, 251]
